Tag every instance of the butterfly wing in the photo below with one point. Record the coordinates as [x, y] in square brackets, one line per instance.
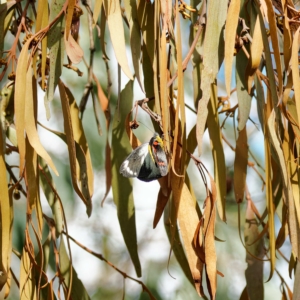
[132, 164]
[161, 161]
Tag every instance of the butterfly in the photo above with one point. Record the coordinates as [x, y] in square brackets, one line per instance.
[147, 162]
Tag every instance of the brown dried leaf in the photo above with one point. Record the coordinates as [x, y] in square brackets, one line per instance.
[31, 175]
[162, 198]
[254, 271]
[74, 51]
[240, 165]
[134, 141]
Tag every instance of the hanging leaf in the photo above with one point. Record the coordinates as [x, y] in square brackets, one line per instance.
[56, 47]
[188, 222]
[240, 165]
[217, 152]
[230, 37]
[68, 273]
[6, 218]
[254, 271]
[27, 278]
[116, 30]
[84, 193]
[73, 50]
[122, 186]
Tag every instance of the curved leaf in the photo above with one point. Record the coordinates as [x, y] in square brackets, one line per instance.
[116, 30]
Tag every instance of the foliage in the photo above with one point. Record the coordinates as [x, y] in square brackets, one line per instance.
[257, 41]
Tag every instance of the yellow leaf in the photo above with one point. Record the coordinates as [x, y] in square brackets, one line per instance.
[209, 247]
[30, 123]
[27, 278]
[70, 10]
[230, 37]
[255, 54]
[295, 71]
[188, 222]
[287, 39]
[116, 30]
[20, 94]
[6, 218]
[97, 11]
[270, 204]
[256, 45]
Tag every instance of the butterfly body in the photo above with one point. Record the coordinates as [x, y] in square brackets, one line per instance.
[147, 162]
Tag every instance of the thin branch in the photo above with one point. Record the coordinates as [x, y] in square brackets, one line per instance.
[101, 257]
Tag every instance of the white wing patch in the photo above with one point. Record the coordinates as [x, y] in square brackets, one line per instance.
[133, 163]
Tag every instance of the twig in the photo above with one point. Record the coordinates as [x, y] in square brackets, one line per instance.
[101, 257]
[201, 21]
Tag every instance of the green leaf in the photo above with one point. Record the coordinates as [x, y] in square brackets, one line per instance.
[122, 186]
[217, 151]
[78, 291]
[57, 51]
[244, 99]
[47, 184]
[135, 38]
